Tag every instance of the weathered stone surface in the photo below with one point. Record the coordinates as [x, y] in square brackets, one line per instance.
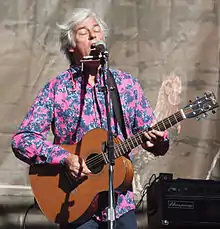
[151, 39]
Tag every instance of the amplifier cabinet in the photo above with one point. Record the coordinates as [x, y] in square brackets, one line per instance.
[183, 203]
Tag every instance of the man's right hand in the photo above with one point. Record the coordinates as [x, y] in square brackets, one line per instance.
[77, 166]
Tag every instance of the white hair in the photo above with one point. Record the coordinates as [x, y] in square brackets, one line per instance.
[67, 38]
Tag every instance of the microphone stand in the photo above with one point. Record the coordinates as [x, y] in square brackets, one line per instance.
[104, 61]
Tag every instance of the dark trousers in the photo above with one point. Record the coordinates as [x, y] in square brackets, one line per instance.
[126, 221]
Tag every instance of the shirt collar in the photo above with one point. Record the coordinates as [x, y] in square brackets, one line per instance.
[77, 75]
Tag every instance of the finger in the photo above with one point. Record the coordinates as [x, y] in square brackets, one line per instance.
[74, 168]
[158, 133]
[156, 137]
[146, 134]
[78, 175]
[86, 171]
[75, 174]
[81, 171]
[149, 144]
[80, 168]
[85, 168]
[152, 135]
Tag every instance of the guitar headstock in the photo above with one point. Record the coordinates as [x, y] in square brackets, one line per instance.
[201, 105]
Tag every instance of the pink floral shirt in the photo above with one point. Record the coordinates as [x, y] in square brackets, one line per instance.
[72, 112]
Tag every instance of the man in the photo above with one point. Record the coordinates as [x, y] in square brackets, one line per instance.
[72, 105]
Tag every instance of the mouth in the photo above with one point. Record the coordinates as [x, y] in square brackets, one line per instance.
[92, 55]
[93, 47]
[93, 51]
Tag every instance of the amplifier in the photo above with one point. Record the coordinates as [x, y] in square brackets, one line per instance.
[183, 203]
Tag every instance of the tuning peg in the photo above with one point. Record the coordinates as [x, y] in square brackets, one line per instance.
[205, 115]
[190, 101]
[213, 111]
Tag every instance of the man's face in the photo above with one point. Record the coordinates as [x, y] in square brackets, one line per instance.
[87, 34]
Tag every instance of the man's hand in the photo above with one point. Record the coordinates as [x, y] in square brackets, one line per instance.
[156, 142]
[154, 137]
[77, 166]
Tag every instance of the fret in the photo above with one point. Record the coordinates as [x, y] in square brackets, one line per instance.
[137, 143]
[125, 146]
[117, 152]
[180, 117]
[130, 147]
[175, 118]
[120, 150]
[139, 136]
[169, 121]
[132, 141]
[158, 127]
[163, 124]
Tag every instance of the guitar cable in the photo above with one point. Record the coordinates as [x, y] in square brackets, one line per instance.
[22, 226]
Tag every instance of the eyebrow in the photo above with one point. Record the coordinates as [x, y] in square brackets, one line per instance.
[84, 27]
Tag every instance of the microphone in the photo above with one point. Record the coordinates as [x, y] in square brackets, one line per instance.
[100, 47]
[98, 50]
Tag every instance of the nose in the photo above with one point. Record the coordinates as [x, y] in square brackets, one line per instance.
[92, 35]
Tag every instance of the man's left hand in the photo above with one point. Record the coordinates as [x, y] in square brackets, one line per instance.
[154, 137]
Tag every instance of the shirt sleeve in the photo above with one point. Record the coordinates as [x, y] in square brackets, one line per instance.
[30, 142]
[144, 114]
[144, 118]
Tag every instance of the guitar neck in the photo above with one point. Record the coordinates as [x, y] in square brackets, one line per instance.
[139, 138]
[169, 121]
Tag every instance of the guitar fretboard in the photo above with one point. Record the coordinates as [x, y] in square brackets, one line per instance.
[139, 138]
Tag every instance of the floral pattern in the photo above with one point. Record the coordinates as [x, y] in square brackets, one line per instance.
[72, 107]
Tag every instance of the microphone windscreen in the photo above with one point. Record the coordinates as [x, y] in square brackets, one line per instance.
[100, 46]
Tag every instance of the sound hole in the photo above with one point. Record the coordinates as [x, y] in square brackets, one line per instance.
[95, 162]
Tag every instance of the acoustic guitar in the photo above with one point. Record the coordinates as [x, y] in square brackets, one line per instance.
[63, 199]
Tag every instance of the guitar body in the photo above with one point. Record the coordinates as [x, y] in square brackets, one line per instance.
[63, 199]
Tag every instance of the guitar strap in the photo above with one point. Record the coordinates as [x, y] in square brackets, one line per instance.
[117, 108]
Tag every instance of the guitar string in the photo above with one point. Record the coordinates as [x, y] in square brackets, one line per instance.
[99, 158]
[160, 124]
[94, 161]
